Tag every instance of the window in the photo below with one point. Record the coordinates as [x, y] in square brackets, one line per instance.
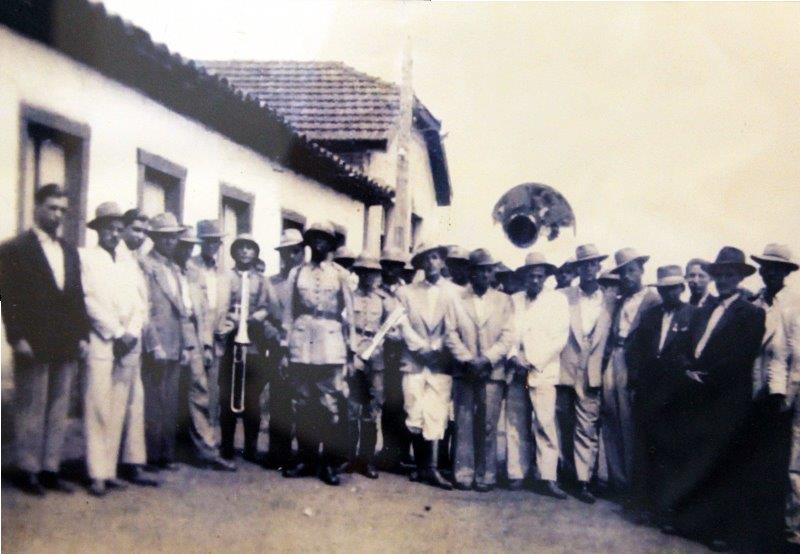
[54, 150]
[290, 219]
[236, 214]
[161, 185]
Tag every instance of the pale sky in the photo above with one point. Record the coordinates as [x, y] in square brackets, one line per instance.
[672, 128]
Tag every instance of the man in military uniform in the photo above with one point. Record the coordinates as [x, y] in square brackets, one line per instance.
[291, 251]
[365, 377]
[245, 291]
[319, 334]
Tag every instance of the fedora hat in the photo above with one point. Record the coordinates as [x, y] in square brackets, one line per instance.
[668, 276]
[608, 279]
[423, 248]
[568, 264]
[731, 257]
[776, 254]
[104, 212]
[481, 257]
[290, 237]
[627, 256]
[324, 228]
[455, 252]
[537, 259]
[698, 261]
[365, 261]
[165, 223]
[343, 253]
[502, 268]
[245, 238]
[190, 236]
[394, 255]
[209, 229]
[588, 253]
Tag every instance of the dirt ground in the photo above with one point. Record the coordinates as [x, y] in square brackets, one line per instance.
[254, 510]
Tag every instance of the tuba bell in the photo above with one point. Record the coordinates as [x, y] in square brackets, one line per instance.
[525, 210]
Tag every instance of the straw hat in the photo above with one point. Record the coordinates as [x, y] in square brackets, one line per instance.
[777, 254]
[627, 256]
[105, 212]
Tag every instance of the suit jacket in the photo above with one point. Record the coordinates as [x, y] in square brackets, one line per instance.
[203, 313]
[53, 321]
[168, 326]
[793, 347]
[424, 326]
[575, 355]
[542, 330]
[468, 336]
[771, 369]
[646, 364]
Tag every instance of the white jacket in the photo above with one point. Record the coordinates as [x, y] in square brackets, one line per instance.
[542, 330]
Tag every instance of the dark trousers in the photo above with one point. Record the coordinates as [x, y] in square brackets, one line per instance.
[565, 421]
[255, 381]
[317, 411]
[281, 413]
[396, 439]
[161, 382]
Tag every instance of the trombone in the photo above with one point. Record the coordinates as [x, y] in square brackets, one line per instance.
[240, 343]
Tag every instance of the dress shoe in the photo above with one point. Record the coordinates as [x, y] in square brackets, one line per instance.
[483, 487]
[462, 486]
[97, 487]
[300, 469]
[251, 456]
[221, 464]
[584, 495]
[435, 478]
[551, 488]
[29, 482]
[718, 545]
[151, 468]
[169, 466]
[328, 476]
[515, 485]
[135, 477]
[368, 470]
[227, 453]
[52, 481]
[116, 484]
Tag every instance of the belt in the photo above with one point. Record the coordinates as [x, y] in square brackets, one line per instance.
[322, 314]
[365, 332]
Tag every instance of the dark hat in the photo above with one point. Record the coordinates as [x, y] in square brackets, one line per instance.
[245, 238]
[481, 257]
[537, 259]
[165, 223]
[776, 254]
[669, 276]
[588, 253]
[104, 212]
[343, 253]
[455, 252]
[210, 229]
[502, 269]
[568, 264]
[731, 257]
[394, 255]
[366, 262]
[290, 237]
[190, 236]
[608, 279]
[698, 261]
[324, 228]
[424, 248]
[627, 256]
[134, 214]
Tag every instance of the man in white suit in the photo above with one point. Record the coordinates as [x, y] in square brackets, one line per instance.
[116, 300]
[542, 327]
[479, 336]
[427, 385]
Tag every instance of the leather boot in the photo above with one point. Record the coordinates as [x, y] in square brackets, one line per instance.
[327, 473]
[434, 477]
[369, 437]
[419, 445]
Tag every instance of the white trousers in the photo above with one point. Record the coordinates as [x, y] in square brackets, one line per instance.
[536, 408]
[113, 414]
[426, 398]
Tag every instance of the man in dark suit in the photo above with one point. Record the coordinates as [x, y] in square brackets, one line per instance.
[725, 337]
[47, 326]
[656, 358]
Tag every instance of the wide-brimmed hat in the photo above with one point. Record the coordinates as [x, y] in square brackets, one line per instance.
[627, 256]
[569, 263]
[669, 276]
[210, 229]
[607, 278]
[731, 257]
[394, 256]
[423, 248]
[502, 268]
[190, 236]
[343, 253]
[537, 259]
[104, 212]
[588, 253]
[245, 238]
[455, 252]
[366, 262]
[324, 228]
[290, 237]
[698, 261]
[481, 257]
[165, 223]
[776, 254]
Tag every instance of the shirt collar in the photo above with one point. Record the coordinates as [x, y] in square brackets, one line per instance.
[730, 300]
[43, 236]
[584, 294]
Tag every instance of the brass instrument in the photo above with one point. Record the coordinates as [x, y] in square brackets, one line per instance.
[391, 320]
[240, 343]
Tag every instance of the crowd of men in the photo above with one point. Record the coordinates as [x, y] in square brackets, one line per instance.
[686, 412]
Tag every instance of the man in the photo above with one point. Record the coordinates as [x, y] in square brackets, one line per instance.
[505, 279]
[195, 375]
[458, 265]
[365, 378]
[656, 359]
[167, 344]
[479, 335]
[616, 415]
[291, 252]
[116, 301]
[793, 404]
[542, 328]
[345, 258]
[249, 310]
[427, 386]
[135, 232]
[579, 388]
[725, 339]
[770, 429]
[47, 328]
[396, 440]
[566, 274]
[317, 320]
[698, 279]
[209, 271]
